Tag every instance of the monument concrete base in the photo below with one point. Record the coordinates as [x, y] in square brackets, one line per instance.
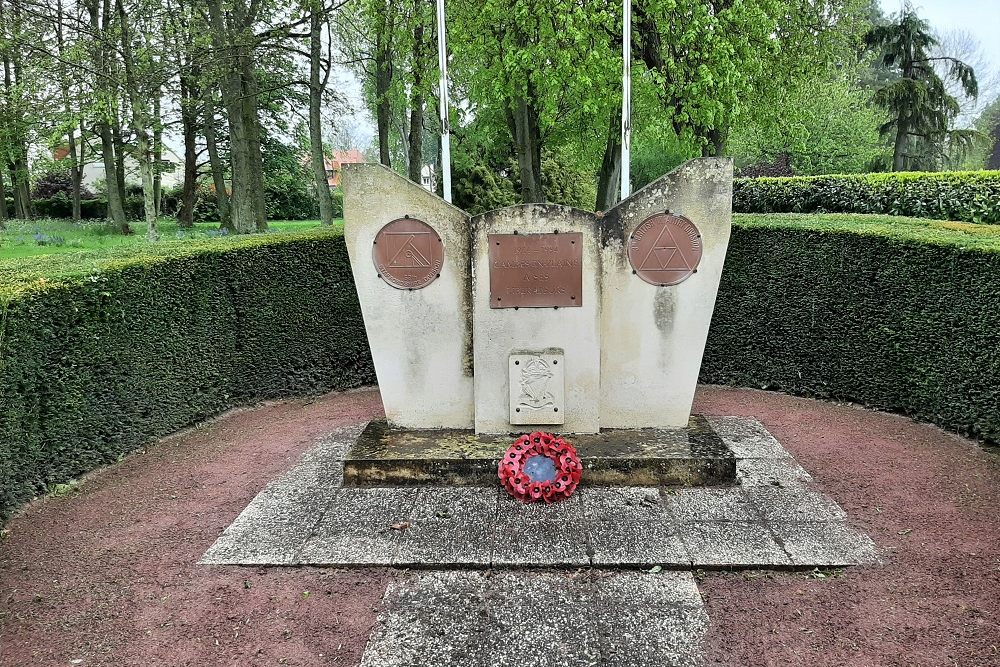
[692, 456]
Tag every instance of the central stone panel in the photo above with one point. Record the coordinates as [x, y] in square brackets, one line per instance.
[536, 293]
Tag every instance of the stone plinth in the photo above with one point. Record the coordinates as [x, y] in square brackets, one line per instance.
[691, 456]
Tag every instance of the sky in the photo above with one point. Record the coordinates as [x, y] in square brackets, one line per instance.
[979, 17]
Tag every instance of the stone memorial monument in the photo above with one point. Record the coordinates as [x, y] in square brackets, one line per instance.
[538, 317]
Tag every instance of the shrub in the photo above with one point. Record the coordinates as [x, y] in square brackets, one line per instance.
[895, 314]
[60, 206]
[56, 182]
[970, 196]
[100, 357]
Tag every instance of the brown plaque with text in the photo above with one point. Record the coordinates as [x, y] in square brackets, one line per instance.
[536, 270]
[665, 249]
[408, 254]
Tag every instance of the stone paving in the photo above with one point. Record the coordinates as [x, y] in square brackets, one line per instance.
[539, 619]
[485, 587]
[772, 519]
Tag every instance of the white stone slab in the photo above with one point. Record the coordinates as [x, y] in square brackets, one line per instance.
[537, 384]
[498, 332]
[654, 337]
[421, 340]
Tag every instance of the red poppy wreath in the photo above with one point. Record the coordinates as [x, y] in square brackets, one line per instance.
[540, 466]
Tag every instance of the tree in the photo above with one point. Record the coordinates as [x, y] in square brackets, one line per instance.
[920, 108]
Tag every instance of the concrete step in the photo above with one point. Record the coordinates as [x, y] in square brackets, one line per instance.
[388, 456]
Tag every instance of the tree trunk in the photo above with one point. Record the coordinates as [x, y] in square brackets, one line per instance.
[383, 81]
[239, 96]
[64, 84]
[140, 125]
[215, 162]
[189, 129]
[899, 146]
[116, 211]
[609, 177]
[316, 86]
[3, 202]
[527, 141]
[157, 152]
[416, 135]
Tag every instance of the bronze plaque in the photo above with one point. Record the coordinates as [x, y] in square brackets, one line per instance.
[408, 254]
[665, 249]
[536, 270]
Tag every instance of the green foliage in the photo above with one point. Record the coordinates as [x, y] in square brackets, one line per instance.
[897, 314]
[972, 196]
[921, 110]
[825, 123]
[100, 354]
[287, 195]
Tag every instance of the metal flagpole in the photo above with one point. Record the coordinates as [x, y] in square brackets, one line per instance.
[626, 96]
[443, 86]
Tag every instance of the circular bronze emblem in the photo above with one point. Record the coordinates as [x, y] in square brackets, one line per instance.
[408, 253]
[664, 249]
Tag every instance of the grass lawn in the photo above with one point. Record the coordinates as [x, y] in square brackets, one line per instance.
[23, 239]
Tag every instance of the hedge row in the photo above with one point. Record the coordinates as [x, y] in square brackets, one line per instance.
[101, 354]
[972, 196]
[896, 314]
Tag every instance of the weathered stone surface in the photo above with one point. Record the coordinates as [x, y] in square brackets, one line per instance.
[650, 620]
[771, 472]
[654, 337]
[730, 504]
[499, 332]
[539, 619]
[825, 543]
[747, 438]
[421, 340]
[432, 620]
[691, 456]
[543, 620]
[633, 543]
[732, 544]
[304, 517]
[778, 505]
[540, 544]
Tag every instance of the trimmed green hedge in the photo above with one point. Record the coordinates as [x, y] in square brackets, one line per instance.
[102, 353]
[970, 196]
[897, 314]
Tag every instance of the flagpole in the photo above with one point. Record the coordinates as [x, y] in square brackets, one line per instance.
[443, 105]
[626, 97]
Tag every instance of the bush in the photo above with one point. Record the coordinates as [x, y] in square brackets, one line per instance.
[970, 196]
[61, 206]
[58, 182]
[895, 314]
[97, 360]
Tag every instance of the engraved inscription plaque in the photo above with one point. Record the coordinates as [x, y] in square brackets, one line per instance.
[536, 270]
[408, 254]
[537, 387]
[665, 249]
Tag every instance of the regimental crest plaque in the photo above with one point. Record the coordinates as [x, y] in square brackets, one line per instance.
[536, 270]
[537, 387]
[408, 254]
[665, 249]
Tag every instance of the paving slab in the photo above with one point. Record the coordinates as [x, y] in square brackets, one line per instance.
[539, 619]
[825, 543]
[663, 627]
[541, 544]
[731, 544]
[747, 438]
[630, 543]
[633, 503]
[456, 542]
[732, 504]
[771, 472]
[783, 504]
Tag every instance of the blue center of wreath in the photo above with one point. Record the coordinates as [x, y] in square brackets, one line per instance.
[540, 468]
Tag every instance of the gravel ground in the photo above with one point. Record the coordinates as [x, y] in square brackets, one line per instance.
[107, 576]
